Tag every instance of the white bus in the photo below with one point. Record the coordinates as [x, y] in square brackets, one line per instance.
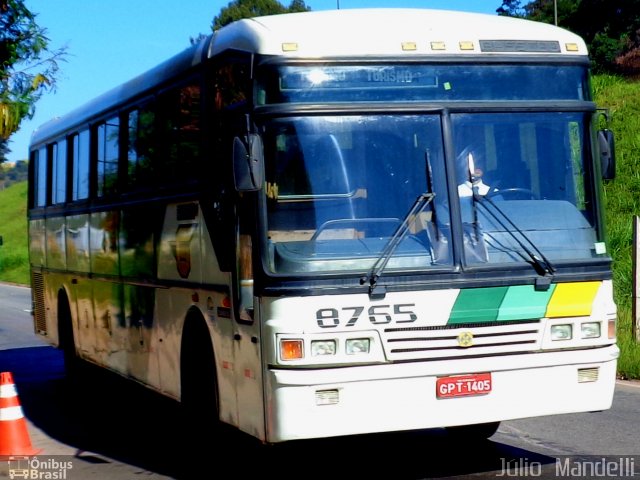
[339, 222]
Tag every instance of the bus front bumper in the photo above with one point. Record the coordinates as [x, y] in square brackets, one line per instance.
[383, 398]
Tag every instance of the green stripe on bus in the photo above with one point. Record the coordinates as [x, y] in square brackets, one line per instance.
[475, 305]
[524, 302]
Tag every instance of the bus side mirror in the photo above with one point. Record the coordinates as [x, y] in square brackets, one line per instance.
[248, 166]
[607, 146]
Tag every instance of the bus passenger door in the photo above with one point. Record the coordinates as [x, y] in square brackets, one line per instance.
[247, 358]
[231, 75]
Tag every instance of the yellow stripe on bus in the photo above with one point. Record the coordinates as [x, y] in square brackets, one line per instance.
[572, 299]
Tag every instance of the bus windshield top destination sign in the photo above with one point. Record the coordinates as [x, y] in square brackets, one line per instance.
[421, 82]
[356, 77]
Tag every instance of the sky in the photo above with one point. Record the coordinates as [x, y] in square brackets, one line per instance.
[111, 41]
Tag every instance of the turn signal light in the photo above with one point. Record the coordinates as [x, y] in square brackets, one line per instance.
[291, 349]
[612, 329]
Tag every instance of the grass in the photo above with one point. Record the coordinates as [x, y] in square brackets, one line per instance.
[622, 196]
[14, 255]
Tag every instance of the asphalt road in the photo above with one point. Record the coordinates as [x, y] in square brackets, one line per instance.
[112, 429]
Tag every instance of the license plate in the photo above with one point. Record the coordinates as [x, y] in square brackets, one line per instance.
[463, 385]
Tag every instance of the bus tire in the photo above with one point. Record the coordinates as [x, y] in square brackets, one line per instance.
[66, 341]
[198, 381]
[473, 433]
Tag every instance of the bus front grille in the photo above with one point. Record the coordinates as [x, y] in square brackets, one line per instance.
[461, 340]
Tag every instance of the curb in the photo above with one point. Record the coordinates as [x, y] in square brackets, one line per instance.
[629, 383]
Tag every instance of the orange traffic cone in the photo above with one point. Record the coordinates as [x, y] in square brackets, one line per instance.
[14, 437]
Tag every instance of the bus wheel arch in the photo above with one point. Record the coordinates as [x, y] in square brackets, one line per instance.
[199, 393]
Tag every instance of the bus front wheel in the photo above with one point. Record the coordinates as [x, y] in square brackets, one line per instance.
[198, 382]
[473, 433]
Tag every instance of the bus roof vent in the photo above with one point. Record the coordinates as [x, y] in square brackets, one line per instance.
[522, 46]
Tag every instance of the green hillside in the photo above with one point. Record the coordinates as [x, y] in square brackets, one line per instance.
[13, 229]
[621, 97]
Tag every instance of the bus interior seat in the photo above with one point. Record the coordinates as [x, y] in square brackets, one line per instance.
[328, 193]
[329, 178]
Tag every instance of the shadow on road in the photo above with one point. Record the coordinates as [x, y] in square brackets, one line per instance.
[114, 418]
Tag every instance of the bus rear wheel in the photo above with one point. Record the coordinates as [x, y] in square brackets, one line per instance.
[66, 341]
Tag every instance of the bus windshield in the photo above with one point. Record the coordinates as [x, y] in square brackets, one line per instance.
[339, 186]
[533, 168]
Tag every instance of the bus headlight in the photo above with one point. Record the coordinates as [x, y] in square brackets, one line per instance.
[323, 347]
[561, 332]
[355, 346]
[590, 330]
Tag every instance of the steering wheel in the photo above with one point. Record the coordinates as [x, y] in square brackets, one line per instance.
[517, 192]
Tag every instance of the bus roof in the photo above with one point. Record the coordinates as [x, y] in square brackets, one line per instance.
[393, 31]
[343, 33]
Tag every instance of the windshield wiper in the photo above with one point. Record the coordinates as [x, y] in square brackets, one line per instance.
[540, 263]
[379, 291]
[429, 179]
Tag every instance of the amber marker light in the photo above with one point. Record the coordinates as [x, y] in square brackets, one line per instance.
[466, 45]
[291, 349]
[612, 329]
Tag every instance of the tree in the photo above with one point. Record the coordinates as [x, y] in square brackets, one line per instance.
[239, 9]
[610, 28]
[512, 8]
[541, 10]
[4, 150]
[28, 67]
[19, 172]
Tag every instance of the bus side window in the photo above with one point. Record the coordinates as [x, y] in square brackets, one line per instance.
[39, 165]
[232, 84]
[179, 127]
[80, 162]
[140, 152]
[107, 156]
[231, 98]
[59, 172]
